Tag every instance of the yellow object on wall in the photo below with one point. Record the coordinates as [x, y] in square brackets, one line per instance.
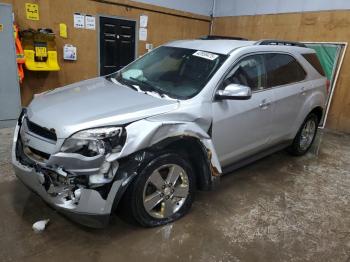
[40, 50]
[32, 11]
[49, 65]
[63, 30]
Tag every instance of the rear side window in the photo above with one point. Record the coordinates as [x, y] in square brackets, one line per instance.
[283, 69]
[313, 60]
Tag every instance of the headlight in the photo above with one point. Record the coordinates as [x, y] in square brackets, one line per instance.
[97, 141]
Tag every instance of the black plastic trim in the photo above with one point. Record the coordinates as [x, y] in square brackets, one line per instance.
[218, 37]
[280, 42]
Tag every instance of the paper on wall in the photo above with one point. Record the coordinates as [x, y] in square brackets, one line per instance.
[69, 52]
[63, 30]
[32, 11]
[143, 20]
[149, 47]
[79, 21]
[90, 22]
[143, 34]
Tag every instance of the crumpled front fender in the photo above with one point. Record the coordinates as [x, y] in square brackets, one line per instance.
[145, 133]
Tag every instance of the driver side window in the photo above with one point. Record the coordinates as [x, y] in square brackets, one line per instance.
[250, 71]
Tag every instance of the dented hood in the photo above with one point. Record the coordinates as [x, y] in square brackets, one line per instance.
[93, 103]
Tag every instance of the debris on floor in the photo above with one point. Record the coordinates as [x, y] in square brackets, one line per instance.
[40, 225]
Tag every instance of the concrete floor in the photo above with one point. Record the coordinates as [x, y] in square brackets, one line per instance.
[281, 208]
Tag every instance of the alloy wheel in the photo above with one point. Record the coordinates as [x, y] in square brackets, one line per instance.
[165, 191]
[307, 134]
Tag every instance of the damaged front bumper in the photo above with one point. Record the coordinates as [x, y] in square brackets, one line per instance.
[90, 206]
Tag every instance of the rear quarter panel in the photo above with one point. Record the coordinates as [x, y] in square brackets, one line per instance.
[315, 97]
[316, 90]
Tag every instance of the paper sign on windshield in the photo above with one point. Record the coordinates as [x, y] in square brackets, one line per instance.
[206, 55]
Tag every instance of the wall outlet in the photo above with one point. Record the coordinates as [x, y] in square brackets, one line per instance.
[149, 47]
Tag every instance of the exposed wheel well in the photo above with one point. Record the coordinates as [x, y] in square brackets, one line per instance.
[196, 154]
[318, 111]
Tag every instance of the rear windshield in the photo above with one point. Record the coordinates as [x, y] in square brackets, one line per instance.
[313, 60]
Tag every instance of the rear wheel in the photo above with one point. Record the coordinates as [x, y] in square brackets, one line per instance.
[305, 137]
[162, 192]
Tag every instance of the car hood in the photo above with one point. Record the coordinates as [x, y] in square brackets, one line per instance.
[93, 103]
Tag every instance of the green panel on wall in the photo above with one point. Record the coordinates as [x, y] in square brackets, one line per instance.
[328, 55]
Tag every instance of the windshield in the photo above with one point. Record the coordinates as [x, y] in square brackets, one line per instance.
[176, 72]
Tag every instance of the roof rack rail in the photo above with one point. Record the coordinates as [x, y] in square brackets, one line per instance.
[217, 37]
[280, 42]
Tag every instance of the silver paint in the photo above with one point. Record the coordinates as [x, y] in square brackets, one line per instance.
[240, 128]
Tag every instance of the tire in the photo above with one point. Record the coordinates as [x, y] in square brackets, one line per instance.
[148, 186]
[304, 139]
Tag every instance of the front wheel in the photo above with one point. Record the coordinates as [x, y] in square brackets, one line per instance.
[162, 192]
[305, 137]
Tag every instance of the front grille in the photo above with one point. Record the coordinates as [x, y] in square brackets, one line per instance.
[41, 131]
[39, 153]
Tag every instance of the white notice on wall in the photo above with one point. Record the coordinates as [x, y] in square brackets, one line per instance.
[143, 34]
[143, 20]
[90, 22]
[79, 20]
[149, 47]
[69, 52]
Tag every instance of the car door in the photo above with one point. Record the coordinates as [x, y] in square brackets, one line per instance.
[286, 77]
[242, 127]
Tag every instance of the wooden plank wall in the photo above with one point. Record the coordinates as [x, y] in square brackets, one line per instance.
[332, 26]
[164, 25]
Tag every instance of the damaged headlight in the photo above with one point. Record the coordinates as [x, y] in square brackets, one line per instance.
[97, 141]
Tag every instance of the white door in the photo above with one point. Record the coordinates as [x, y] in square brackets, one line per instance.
[242, 127]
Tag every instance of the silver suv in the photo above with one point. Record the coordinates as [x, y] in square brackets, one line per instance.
[173, 121]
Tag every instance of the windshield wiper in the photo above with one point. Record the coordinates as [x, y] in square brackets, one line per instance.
[150, 88]
[145, 83]
[123, 82]
[137, 86]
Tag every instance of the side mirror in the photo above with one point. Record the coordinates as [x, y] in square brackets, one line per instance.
[234, 92]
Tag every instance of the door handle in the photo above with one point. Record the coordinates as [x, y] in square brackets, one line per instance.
[303, 92]
[264, 104]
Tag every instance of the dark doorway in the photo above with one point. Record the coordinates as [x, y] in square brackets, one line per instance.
[117, 44]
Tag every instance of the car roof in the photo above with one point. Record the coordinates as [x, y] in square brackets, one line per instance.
[225, 46]
[215, 46]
